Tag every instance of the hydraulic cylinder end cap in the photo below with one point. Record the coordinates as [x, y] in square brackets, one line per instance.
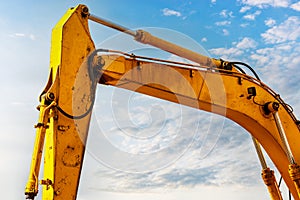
[268, 176]
[270, 107]
[294, 171]
[84, 11]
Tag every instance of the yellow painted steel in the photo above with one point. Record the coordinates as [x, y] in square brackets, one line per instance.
[221, 92]
[65, 144]
[32, 184]
[70, 84]
[69, 93]
[270, 181]
[294, 170]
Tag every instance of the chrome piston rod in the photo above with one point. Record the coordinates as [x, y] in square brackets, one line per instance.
[146, 38]
[112, 25]
[259, 153]
[283, 138]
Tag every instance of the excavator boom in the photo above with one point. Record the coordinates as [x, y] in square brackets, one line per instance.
[212, 85]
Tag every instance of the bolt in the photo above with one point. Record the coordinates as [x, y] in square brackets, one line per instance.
[55, 117]
[62, 128]
[192, 73]
[46, 182]
[57, 192]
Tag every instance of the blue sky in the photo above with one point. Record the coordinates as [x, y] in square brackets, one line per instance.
[220, 163]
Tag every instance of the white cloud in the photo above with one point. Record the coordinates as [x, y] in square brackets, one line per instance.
[195, 168]
[296, 6]
[283, 57]
[225, 32]
[226, 53]
[32, 37]
[261, 59]
[278, 66]
[244, 9]
[19, 34]
[226, 14]
[223, 23]
[252, 16]
[244, 25]
[204, 39]
[284, 47]
[207, 161]
[289, 30]
[213, 1]
[169, 12]
[234, 52]
[270, 22]
[266, 3]
[246, 43]
[278, 55]
[22, 35]
[281, 3]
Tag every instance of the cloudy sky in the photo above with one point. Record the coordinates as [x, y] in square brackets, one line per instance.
[171, 152]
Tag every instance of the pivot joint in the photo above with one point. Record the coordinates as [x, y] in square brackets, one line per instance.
[270, 107]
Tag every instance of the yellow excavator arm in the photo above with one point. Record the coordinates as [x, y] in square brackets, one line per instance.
[212, 85]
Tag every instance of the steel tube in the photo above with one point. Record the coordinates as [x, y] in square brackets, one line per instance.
[259, 153]
[283, 138]
[147, 38]
[112, 25]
